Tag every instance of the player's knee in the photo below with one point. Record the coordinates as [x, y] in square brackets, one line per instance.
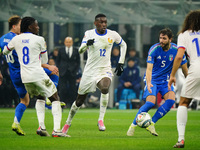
[104, 90]
[79, 102]
[54, 97]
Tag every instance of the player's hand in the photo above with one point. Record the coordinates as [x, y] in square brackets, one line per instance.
[171, 80]
[149, 87]
[90, 42]
[119, 69]
[54, 69]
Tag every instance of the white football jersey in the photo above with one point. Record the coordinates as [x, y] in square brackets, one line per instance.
[100, 52]
[191, 42]
[29, 47]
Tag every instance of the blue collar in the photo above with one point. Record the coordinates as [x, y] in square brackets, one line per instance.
[100, 34]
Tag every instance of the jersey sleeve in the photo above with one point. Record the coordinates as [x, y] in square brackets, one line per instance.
[43, 48]
[181, 41]
[8, 48]
[151, 55]
[118, 38]
[86, 37]
[43, 45]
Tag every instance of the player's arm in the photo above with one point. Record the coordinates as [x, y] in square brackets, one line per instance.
[53, 69]
[123, 48]
[149, 76]
[82, 48]
[44, 57]
[8, 48]
[177, 62]
[185, 69]
[86, 42]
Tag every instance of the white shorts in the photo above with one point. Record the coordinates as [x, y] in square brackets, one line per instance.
[43, 87]
[89, 83]
[191, 88]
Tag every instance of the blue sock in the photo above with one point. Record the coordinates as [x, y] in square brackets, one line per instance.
[163, 110]
[145, 108]
[19, 111]
[49, 107]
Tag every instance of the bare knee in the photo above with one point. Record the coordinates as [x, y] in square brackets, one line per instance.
[25, 100]
[184, 101]
[54, 97]
[80, 100]
[104, 90]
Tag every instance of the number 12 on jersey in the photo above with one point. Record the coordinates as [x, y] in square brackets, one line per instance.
[102, 52]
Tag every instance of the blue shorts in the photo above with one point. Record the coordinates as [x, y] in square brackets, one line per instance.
[162, 88]
[19, 86]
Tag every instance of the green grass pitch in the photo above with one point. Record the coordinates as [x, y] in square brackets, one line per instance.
[85, 135]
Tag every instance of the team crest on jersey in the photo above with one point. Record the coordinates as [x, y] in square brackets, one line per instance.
[149, 58]
[170, 57]
[110, 40]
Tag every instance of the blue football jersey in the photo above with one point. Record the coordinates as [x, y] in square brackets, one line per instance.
[12, 58]
[162, 62]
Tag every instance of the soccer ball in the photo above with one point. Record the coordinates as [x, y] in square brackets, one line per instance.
[143, 120]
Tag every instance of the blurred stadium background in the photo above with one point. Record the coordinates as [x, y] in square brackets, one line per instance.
[137, 21]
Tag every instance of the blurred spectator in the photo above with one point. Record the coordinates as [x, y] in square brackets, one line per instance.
[7, 87]
[115, 57]
[68, 63]
[54, 54]
[133, 54]
[130, 79]
[51, 61]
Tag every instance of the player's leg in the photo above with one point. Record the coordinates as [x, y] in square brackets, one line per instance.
[150, 102]
[103, 85]
[21, 107]
[40, 111]
[182, 120]
[74, 108]
[164, 108]
[19, 111]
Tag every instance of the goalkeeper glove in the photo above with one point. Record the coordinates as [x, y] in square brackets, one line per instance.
[90, 42]
[119, 69]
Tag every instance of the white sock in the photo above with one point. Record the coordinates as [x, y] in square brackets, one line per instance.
[40, 110]
[103, 105]
[181, 122]
[15, 120]
[133, 125]
[57, 115]
[72, 113]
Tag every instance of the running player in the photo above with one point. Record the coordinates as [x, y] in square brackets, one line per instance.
[189, 41]
[159, 65]
[14, 69]
[31, 50]
[97, 72]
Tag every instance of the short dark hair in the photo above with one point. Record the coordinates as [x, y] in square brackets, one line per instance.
[26, 22]
[13, 20]
[99, 15]
[167, 31]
